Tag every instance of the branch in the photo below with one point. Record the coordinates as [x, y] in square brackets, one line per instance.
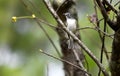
[97, 29]
[103, 47]
[104, 13]
[48, 37]
[64, 61]
[110, 6]
[117, 3]
[45, 22]
[88, 51]
[98, 25]
[37, 20]
[78, 60]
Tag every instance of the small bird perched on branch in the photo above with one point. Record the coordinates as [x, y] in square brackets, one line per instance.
[71, 22]
[71, 26]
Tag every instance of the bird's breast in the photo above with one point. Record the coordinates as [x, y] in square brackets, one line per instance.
[71, 24]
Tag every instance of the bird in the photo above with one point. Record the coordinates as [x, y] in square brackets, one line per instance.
[71, 24]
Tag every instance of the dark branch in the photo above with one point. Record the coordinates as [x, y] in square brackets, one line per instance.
[110, 6]
[105, 15]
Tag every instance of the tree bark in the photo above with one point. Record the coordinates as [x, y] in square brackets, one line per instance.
[115, 57]
[63, 6]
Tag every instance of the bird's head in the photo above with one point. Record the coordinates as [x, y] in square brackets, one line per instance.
[68, 15]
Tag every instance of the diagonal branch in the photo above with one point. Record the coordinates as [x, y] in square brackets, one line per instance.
[111, 7]
[45, 22]
[48, 37]
[64, 61]
[104, 13]
[87, 50]
[97, 29]
[37, 19]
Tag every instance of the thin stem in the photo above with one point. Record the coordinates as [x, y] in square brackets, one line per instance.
[103, 46]
[64, 61]
[36, 9]
[27, 7]
[97, 29]
[48, 37]
[117, 3]
[45, 22]
[78, 60]
[37, 19]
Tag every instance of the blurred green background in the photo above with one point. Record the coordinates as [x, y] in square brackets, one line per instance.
[20, 41]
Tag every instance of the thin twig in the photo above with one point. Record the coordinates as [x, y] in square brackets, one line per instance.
[48, 37]
[109, 35]
[103, 41]
[50, 25]
[110, 6]
[86, 49]
[100, 19]
[97, 29]
[26, 6]
[117, 3]
[37, 9]
[37, 19]
[64, 61]
[103, 46]
[105, 15]
[98, 25]
[78, 60]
